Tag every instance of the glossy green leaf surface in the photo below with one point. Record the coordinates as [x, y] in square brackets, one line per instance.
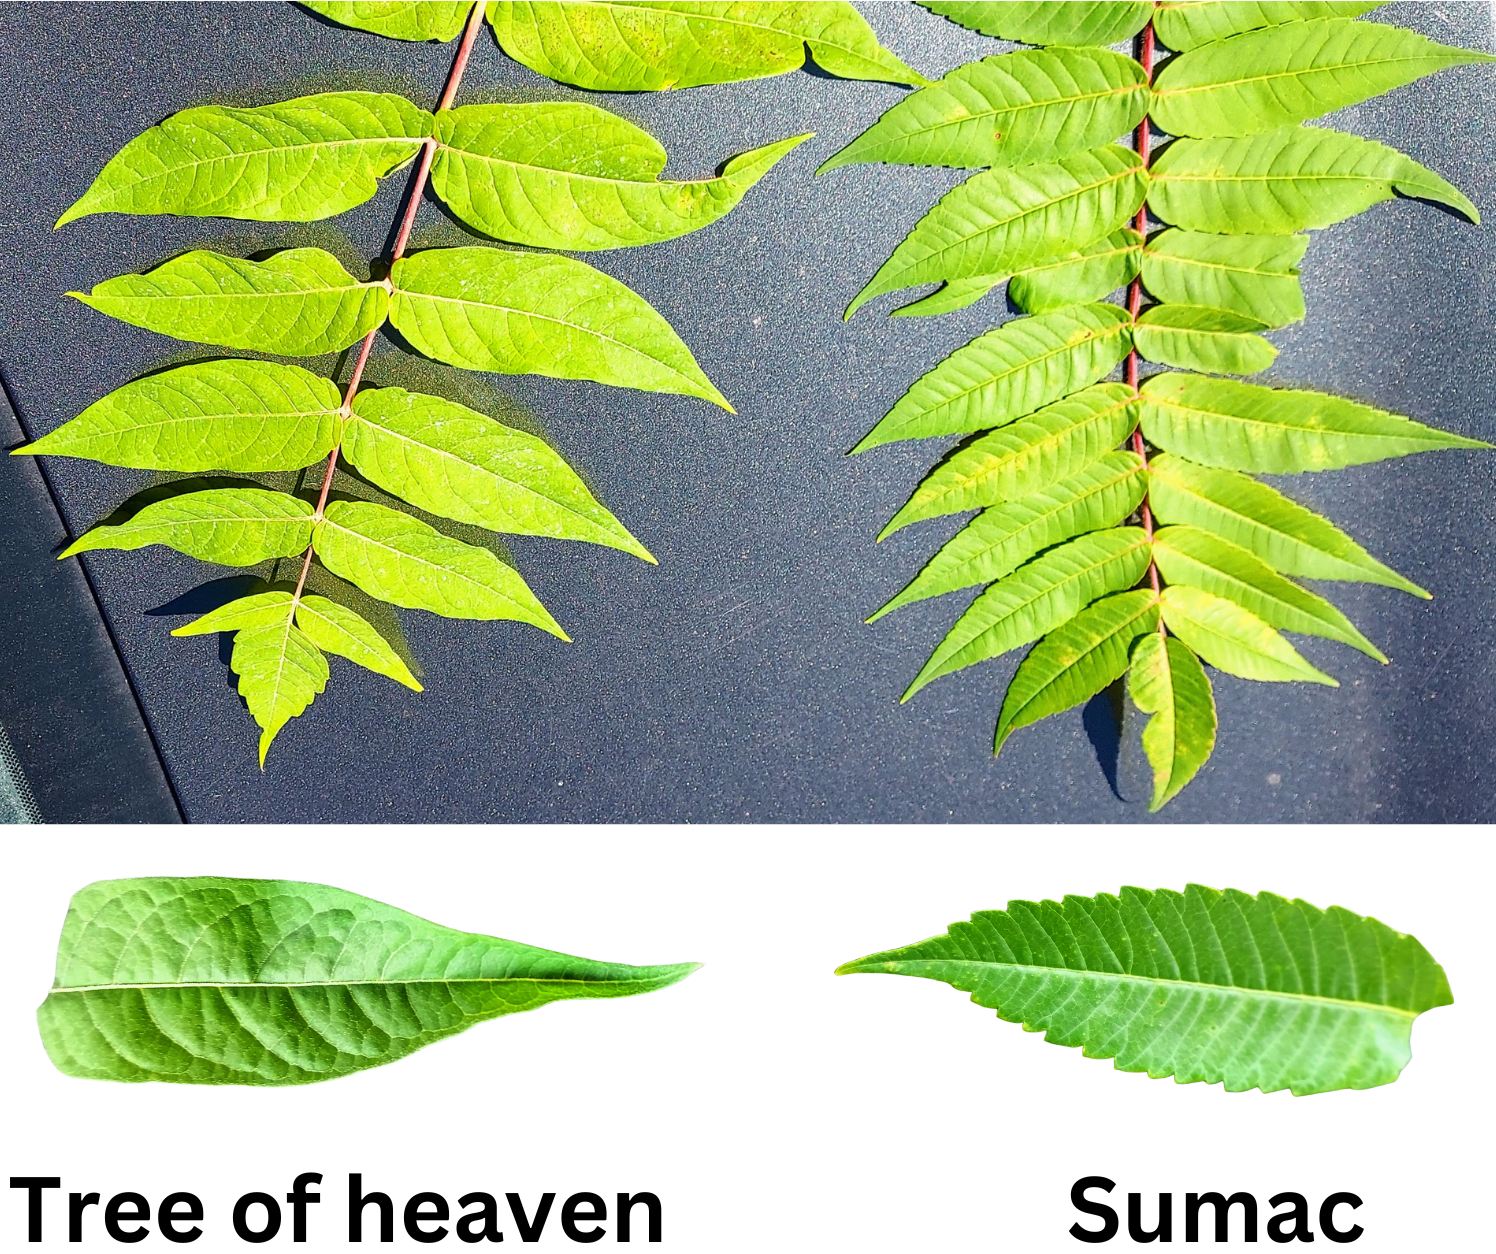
[335, 628]
[246, 416]
[1204, 986]
[1194, 337]
[1025, 456]
[1002, 221]
[263, 609]
[1285, 535]
[1186, 24]
[1200, 559]
[1244, 426]
[457, 463]
[400, 559]
[533, 313]
[1076, 661]
[208, 980]
[654, 45]
[1166, 681]
[297, 161]
[1021, 366]
[1255, 276]
[411, 20]
[573, 176]
[230, 526]
[1275, 77]
[1035, 105]
[1087, 274]
[1000, 539]
[280, 673]
[1233, 639]
[1045, 594]
[299, 303]
[1041, 22]
[1287, 180]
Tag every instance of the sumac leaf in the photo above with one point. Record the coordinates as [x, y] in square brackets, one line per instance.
[335, 628]
[411, 20]
[1166, 680]
[1255, 276]
[230, 526]
[280, 673]
[1087, 274]
[1044, 22]
[1194, 337]
[263, 609]
[1186, 24]
[1233, 639]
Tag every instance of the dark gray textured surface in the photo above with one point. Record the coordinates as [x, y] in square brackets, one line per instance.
[736, 680]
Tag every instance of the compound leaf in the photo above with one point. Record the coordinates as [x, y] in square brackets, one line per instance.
[573, 176]
[335, 628]
[263, 609]
[1194, 337]
[1186, 24]
[1233, 639]
[1076, 661]
[247, 416]
[533, 313]
[1046, 593]
[1199, 559]
[1167, 681]
[230, 526]
[1275, 77]
[1038, 22]
[1205, 986]
[1008, 372]
[280, 673]
[611, 45]
[1244, 426]
[299, 303]
[208, 980]
[1036, 105]
[1285, 535]
[1025, 456]
[400, 559]
[1087, 274]
[297, 161]
[457, 463]
[412, 20]
[1287, 180]
[1255, 276]
[1005, 220]
[1000, 539]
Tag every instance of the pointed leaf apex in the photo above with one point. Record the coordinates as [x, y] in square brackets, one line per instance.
[25, 449]
[72, 213]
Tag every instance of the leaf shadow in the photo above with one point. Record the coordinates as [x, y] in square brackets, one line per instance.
[1103, 719]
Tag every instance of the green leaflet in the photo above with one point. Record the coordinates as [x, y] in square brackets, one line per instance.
[1038, 22]
[574, 176]
[399, 559]
[1039, 597]
[263, 609]
[1000, 539]
[1186, 24]
[952, 295]
[299, 303]
[297, 161]
[246, 416]
[1205, 986]
[532, 313]
[1260, 519]
[1244, 426]
[1287, 180]
[1036, 105]
[1166, 680]
[280, 673]
[414, 20]
[1001, 221]
[1194, 337]
[1019, 367]
[1233, 639]
[613, 45]
[335, 628]
[1076, 661]
[1025, 456]
[1256, 276]
[457, 463]
[208, 980]
[231, 526]
[1087, 274]
[1199, 559]
[1264, 79]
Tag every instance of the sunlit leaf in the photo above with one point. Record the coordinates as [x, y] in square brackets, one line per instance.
[1186, 24]
[1166, 680]
[335, 628]
[1255, 276]
[1045, 22]
[1233, 639]
[230, 526]
[280, 673]
[413, 20]
[1195, 337]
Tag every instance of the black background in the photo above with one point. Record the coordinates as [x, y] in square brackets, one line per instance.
[736, 680]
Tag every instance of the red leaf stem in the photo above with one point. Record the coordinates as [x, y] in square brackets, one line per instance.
[1135, 292]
